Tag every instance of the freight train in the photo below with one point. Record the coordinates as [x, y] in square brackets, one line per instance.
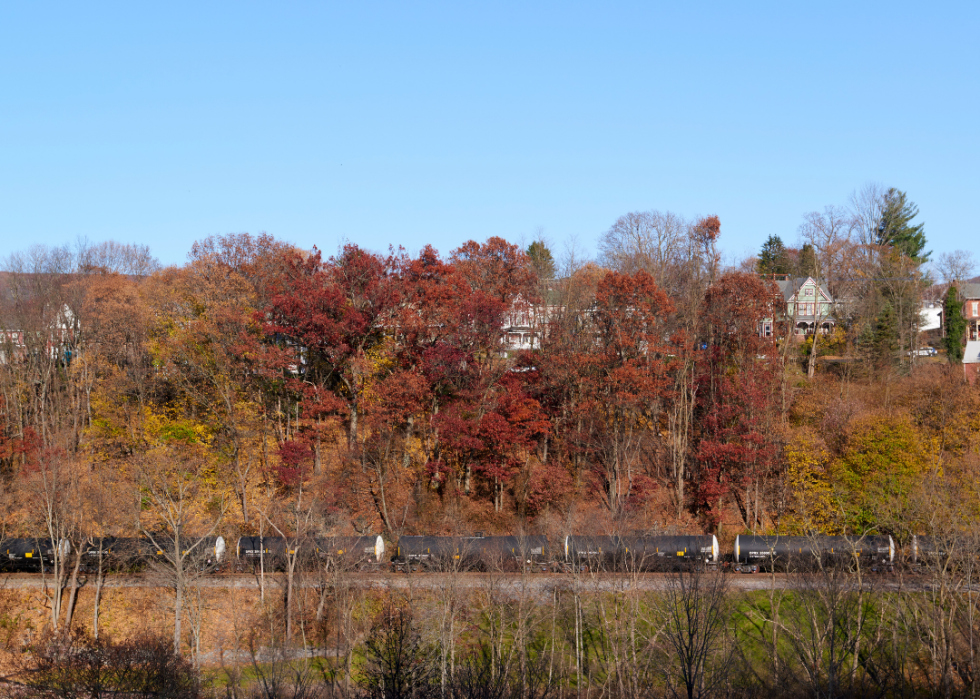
[115, 554]
[351, 552]
[639, 553]
[109, 553]
[473, 553]
[476, 552]
[801, 551]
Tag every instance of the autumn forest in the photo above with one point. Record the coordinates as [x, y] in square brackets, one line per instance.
[262, 389]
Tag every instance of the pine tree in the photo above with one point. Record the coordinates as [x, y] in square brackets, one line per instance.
[896, 229]
[882, 340]
[541, 260]
[807, 264]
[773, 258]
[955, 327]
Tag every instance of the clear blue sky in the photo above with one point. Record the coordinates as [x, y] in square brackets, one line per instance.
[414, 123]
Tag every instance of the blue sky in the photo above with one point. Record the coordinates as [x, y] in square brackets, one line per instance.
[415, 123]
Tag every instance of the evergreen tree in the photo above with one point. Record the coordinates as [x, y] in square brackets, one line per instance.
[955, 327]
[883, 340]
[541, 260]
[896, 228]
[773, 258]
[807, 264]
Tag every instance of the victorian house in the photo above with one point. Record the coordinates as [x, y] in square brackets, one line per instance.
[809, 306]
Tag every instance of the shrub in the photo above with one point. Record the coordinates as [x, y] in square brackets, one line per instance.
[76, 665]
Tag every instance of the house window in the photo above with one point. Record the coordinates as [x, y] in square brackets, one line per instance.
[975, 313]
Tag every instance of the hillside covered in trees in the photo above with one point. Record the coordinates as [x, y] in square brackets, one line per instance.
[264, 390]
[271, 389]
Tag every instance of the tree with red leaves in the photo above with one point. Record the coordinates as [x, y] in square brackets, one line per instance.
[440, 308]
[326, 318]
[478, 423]
[448, 333]
[294, 459]
[556, 379]
[610, 367]
[491, 438]
[738, 409]
[628, 379]
[499, 269]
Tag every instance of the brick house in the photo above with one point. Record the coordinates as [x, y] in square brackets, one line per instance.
[970, 293]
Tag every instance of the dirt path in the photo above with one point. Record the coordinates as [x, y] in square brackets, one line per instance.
[535, 583]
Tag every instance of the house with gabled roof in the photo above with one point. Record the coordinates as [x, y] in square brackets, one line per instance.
[51, 328]
[970, 293]
[525, 323]
[809, 306]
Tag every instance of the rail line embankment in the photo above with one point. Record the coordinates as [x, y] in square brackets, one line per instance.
[535, 583]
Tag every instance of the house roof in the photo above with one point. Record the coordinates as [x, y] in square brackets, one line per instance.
[969, 290]
[972, 353]
[790, 286]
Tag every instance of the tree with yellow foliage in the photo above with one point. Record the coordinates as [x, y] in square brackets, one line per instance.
[883, 463]
[204, 330]
[811, 506]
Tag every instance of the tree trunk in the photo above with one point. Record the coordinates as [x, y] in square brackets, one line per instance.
[261, 567]
[406, 456]
[352, 439]
[73, 591]
[289, 596]
[381, 502]
[242, 480]
[679, 422]
[99, 582]
[812, 368]
[244, 495]
[57, 574]
[317, 457]
[178, 611]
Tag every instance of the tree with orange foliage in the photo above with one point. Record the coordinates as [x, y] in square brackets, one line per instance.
[627, 380]
[114, 372]
[615, 381]
[207, 338]
[393, 405]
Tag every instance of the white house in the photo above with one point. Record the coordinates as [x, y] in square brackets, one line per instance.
[931, 315]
